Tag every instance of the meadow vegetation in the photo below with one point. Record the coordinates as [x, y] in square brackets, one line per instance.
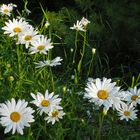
[71, 72]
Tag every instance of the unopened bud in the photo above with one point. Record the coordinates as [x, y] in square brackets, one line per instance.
[64, 89]
[47, 24]
[8, 65]
[93, 51]
[105, 111]
[72, 77]
[11, 78]
[71, 49]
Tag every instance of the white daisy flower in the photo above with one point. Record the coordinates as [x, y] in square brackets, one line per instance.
[28, 36]
[42, 45]
[46, 103]
[78, 26]
[118, 99]
[103, 92]
[127, 111]
[15, 116]
[15, 27]
[51, 63]
[7, 9]
[54, 116]
[84, 21]
[133, 96]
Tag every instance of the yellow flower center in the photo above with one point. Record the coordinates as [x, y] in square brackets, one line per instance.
[15, 116]
[40, 47]
[126, 113]
[134, 97]
[45, 103]
[6, 11]
[17, 30]
[28, 37]
[55, 114]
[102, 94]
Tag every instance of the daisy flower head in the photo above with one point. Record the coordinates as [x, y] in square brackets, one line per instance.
[46, 103]
[118, 99]
[78, 26]
[41, 45]
[29, 35]
[127, 112]
[102, 92]
[15, 115]
[54, 116]
[133, 96]
[7, 9]
[15, 27]
[84, 22]
[51, 63]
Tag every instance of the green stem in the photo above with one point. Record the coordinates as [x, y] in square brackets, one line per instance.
[89, 69]
[19, 59]
[16, 137]
[50, 51]
[52, 79]
[19, 82]
[20, 68]
[101, 119]
[82, 54]
[75, 47]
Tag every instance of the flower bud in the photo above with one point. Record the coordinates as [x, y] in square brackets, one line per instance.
[8, 65]
[93, 51]
[47, 24]
[11, 78]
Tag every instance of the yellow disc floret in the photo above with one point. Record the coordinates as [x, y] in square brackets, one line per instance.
[6, 11]
[17, 30]
[45, 103]
[134, 97]
[28, 37]
[54, 114]
[40, 47]
[102, 94]
[126, 113]
[15, 116]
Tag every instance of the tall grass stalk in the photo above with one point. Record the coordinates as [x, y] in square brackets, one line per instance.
[82, 54]
[76, 45]
[91, 63]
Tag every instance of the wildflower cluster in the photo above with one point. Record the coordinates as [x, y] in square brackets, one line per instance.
[24, 33]
[105, 93]
[17, 115]
[80, 25]
[48, 104]
[7, 9]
